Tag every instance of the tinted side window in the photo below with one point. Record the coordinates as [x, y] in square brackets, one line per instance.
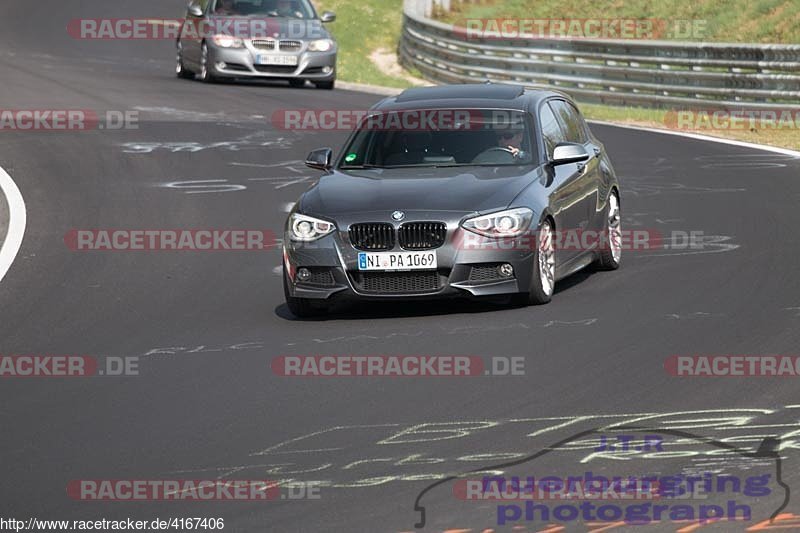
[551, 131]
[571, 121]
[587, 134]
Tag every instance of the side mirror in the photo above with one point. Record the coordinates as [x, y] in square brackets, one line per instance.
[566, 153]
[328, 16]
[320, 159]
[194, 10]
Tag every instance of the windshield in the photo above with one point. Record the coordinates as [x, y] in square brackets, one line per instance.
[435, 138]
[298, 9]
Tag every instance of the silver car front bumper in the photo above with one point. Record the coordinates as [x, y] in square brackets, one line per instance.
[244, 63]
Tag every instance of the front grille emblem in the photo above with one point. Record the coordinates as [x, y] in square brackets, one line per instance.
[398, 216]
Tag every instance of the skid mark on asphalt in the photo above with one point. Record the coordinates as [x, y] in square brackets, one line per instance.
[358, 338]
[442, 330]
[223, 185]
[639, 187]
[256, 140]
[750, 161]
[704, 244]
[355, 456]
[691, 316]
[203, 186]
[294, 176]
[460, 330]
[181, 114]
[219, 118]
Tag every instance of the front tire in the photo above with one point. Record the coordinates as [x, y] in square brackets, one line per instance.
[544, 269]
[302, 307]
[205, 74]
[611, 255]
[180, 69]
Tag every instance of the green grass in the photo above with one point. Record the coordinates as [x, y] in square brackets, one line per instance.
[739, 21]
[361, 27]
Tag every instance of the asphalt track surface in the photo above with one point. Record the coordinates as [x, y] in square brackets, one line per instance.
[207, 325]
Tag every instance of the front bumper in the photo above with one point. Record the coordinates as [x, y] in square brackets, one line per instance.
[242, 63]
[462, 272]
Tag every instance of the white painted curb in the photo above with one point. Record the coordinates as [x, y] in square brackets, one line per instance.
[16, 222]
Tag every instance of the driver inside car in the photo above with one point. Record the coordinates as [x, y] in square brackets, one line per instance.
[226, 7]
[287, 8]
[511, 140]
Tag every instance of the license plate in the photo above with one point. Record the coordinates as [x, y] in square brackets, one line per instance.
[284, 61]
[397, 261]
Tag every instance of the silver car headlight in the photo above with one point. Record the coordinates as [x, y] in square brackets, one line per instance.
[509, 223]
[227, 41]
[305, 228]
[320, 45]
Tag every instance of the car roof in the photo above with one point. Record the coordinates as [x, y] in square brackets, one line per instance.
[468, 96]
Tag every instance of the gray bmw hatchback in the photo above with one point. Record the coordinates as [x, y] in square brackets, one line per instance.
[267, 39]
[465, 190]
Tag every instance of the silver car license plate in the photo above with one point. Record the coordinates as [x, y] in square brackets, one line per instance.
[283, 61]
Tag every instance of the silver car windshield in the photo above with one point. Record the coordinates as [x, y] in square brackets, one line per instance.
[297, 9]
[440, 138]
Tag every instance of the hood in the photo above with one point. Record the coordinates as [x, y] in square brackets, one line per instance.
[465, 190]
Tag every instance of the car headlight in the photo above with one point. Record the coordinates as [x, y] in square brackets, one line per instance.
[509, 223]
[320, 45]
[227, 41]
[304, 228]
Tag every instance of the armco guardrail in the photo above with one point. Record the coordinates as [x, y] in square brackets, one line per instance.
[627, 72]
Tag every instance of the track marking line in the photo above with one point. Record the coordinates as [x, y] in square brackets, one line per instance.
[699, 137]
[16, 222]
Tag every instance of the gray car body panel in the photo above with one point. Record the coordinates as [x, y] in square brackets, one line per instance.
[572, 195]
